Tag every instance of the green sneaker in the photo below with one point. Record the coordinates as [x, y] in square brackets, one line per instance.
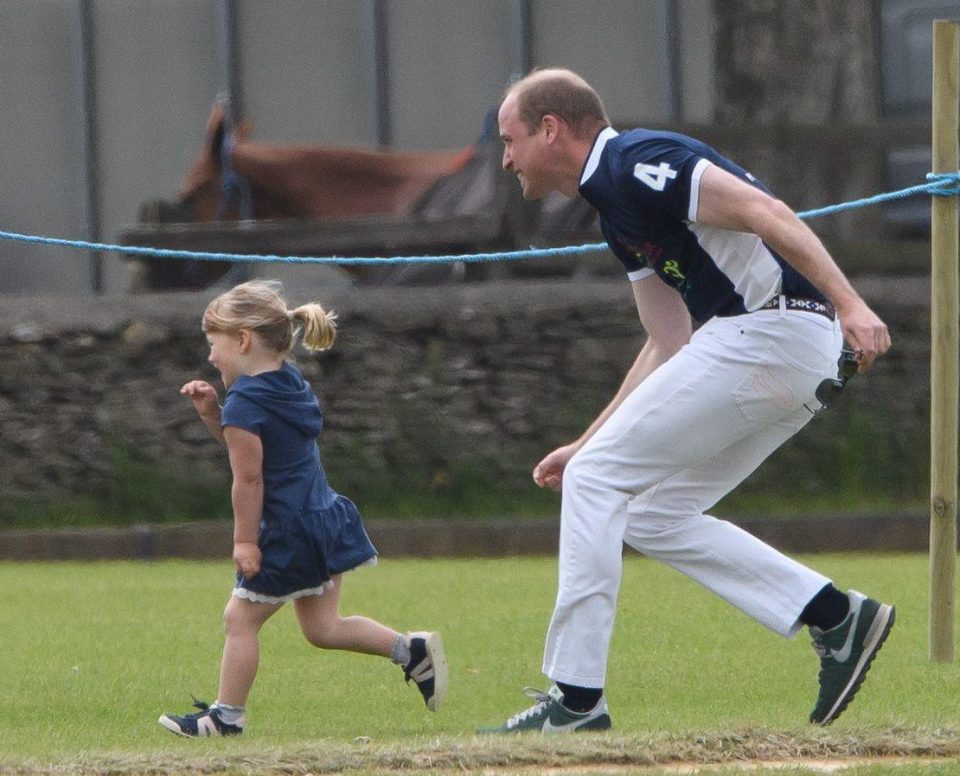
[549, 715]
[846, 653]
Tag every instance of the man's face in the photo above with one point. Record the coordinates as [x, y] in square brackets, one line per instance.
[524, 154]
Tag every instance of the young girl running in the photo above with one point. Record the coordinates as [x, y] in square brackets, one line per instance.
[293, 536]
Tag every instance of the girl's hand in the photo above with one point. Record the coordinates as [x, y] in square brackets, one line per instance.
[247, 557]
[204, 398]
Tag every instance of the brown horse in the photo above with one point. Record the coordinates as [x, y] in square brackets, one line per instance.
[310, 181]
[266, 181]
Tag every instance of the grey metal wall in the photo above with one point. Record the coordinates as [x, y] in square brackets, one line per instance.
[307, 73]
[41, 185]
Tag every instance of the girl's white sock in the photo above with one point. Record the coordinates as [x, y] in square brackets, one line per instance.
[401, 651]
[232, 715]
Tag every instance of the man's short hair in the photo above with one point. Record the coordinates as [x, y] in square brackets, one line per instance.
[561, 93]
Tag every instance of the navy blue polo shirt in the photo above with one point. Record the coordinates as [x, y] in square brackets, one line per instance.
[645, 186]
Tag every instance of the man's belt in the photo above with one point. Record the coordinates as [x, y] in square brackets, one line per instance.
[802, 304]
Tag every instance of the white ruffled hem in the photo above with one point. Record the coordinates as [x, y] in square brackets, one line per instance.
[260, 598]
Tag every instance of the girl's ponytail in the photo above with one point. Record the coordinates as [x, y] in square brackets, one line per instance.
[317, 326]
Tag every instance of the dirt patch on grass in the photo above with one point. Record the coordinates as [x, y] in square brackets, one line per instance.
[819, 750]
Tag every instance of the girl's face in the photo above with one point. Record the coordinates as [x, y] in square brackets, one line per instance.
[226, 350]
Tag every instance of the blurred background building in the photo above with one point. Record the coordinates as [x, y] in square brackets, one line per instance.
[105, 101]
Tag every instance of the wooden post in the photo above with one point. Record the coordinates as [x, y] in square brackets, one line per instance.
[945, 339]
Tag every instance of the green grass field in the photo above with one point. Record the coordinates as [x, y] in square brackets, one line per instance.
[93, 654]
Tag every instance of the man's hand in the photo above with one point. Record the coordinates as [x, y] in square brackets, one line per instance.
[549, 472]
[865, 333]
[247, 557]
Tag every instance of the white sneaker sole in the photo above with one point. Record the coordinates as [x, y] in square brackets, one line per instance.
[434, 645]
[172, 726]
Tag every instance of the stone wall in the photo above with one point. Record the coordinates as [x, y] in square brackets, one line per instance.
[422, 385]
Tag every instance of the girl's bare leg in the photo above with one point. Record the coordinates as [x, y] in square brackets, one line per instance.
[241, 648]
[322, 625]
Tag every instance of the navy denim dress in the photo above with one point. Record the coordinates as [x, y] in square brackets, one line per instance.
[308, 532]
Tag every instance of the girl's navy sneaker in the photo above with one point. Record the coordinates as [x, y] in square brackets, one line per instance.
[200, 724]
[427, 667]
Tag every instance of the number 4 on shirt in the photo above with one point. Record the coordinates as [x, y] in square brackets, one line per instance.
[655, 177]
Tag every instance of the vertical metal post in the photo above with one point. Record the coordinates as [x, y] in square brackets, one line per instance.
[228, 51]
[523, 39]
[945, 343]
[377, 44]
[91, 141]
[674, 61]
[229, 58]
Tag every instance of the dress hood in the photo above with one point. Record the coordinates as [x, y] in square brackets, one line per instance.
[286, 395]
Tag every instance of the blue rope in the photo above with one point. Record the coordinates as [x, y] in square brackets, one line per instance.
[163, 253]
[940, 185]
[942, 179]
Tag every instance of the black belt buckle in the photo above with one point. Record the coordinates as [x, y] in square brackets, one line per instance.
[830, 389]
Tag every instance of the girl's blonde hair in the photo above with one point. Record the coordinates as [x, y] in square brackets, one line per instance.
[259, 306]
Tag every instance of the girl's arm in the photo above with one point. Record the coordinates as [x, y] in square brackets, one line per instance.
[246, 462]
[204, 398]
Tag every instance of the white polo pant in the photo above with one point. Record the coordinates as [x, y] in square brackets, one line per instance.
[685, 437]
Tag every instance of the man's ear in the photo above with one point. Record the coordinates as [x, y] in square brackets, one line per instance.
[551, 127]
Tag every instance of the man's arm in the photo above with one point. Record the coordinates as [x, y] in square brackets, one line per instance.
[729, 203]
[665, 318]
